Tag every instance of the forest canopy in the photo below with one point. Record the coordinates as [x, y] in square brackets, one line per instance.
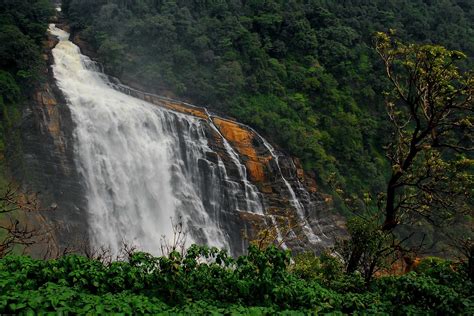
[304, 73]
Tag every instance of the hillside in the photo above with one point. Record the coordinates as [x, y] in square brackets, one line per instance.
[304, 73]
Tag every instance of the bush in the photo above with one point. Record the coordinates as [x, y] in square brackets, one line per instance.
[207, 280]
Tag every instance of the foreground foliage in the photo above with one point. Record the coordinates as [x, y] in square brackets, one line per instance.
[208, 281]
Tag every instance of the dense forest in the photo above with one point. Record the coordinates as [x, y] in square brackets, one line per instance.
[304, 73]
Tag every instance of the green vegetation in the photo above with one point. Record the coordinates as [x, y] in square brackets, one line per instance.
[304, 73]
[431, 186]
[306, 69]
[23, 27]
[263, 282]
[431, 151]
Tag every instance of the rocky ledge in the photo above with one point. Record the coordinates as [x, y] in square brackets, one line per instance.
[46, 167]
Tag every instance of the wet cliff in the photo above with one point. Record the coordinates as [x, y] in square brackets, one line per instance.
[291, 198]
[46, 168]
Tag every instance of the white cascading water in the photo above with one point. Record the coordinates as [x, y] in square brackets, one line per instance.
[145, 167]
[307, 230]
[252, 197]
[142, 164]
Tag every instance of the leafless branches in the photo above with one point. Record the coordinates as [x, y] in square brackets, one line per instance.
[178, 242]
[16, 229]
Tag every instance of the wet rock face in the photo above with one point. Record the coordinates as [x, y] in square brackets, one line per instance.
[269, 171]
[47, 164]
[273, 173]
[252, 152]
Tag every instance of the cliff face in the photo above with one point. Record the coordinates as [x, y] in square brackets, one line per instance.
[273, 173]
[47, 166]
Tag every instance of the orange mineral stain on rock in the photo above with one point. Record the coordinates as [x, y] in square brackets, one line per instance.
[256, 170]
[237, 135]
[47, 99]
[241, 139]
[47, 103]
[183, 108]
[169, 104]
[266, 189]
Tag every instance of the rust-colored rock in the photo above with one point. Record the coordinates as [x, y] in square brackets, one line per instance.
[311, 185]
[266, 189]
[255, 170]
[51, 43]
[177, 106]
[237, 135]
[241, 139]
[46, 99]
[254, 224]
[252, 217]
[183, 108]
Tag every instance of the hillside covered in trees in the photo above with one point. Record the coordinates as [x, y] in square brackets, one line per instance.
[304, 73]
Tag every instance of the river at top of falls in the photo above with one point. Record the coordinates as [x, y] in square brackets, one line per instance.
[145, 168]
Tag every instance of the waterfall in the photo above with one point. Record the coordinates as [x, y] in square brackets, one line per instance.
[307, 230]
[146, 167]
[252, 196]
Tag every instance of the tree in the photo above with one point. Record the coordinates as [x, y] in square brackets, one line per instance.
[370, 249]
[430, 110]
[430, 113]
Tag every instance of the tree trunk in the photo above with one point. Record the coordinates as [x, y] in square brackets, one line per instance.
[390, 218]
[354, 260]
[470, 262]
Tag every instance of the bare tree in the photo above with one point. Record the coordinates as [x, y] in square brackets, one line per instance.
[16, 233]
[177, 243]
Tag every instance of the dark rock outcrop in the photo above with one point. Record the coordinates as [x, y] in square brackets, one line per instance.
[47, 166]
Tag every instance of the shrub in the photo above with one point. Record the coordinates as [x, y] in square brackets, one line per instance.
[207, 280]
